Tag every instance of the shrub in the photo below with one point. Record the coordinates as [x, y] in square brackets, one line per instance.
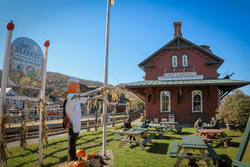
[235, 109]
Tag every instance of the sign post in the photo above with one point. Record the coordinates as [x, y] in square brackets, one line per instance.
[42, 99]
[10, 27]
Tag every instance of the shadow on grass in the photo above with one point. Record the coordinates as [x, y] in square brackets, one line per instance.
[97, 144]
[167, 137]
[192, 163]
[158, 148]
[225, 160]
[23, 155]
[235, 136]
[185, 133]
[234, 144]
[55, 143]
[62, 160]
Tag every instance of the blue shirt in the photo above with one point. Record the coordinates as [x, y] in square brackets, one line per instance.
[142, 125]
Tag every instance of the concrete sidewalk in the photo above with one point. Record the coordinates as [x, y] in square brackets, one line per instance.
[35, 140]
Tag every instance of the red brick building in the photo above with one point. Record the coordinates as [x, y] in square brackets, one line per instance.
[181, 79]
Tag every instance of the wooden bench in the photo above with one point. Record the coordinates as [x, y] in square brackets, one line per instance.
[226, 140]
[118, 138]
[213, 154]
[148, 138]
[173, 150]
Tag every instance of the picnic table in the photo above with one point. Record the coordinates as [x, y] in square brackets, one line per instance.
[192, 143]
[158, 129]
[137, 133]
[213, 135]
[171, 126]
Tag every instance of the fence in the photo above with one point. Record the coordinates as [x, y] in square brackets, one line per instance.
[14, 133]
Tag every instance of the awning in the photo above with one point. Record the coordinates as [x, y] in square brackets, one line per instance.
[224, 85]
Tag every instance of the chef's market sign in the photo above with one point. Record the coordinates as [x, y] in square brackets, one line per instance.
[26, 64]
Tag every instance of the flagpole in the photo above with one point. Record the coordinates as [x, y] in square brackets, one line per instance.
[106, 83]
[10, 27]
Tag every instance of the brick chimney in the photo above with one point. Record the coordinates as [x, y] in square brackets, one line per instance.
[177, 29]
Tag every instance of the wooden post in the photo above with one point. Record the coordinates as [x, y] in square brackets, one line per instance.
[21, 133]
[125, 117]
[113, 125]
[96, 121]
[88, 117]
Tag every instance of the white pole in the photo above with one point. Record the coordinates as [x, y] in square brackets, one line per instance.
[42, 96]
[6, 64]
[106, 83]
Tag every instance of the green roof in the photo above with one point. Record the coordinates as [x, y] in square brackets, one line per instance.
[218, 82]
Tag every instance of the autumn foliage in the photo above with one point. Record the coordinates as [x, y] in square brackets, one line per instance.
[235, 109]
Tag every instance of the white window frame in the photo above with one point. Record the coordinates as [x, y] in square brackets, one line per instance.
[183, 62]
[169, 101]
[197, 101]
[174, 60]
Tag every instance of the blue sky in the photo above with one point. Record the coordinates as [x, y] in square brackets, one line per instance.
[76, 30]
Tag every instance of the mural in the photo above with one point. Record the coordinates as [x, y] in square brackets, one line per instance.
[26, 64]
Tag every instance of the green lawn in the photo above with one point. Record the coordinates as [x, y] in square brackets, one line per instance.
[155, 154]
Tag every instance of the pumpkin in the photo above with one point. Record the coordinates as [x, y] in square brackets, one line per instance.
[78, 164]
[80, 153]
[73, 87]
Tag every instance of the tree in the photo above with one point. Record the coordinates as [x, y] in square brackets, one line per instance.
[235, 109]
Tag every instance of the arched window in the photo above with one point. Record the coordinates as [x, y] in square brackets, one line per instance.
[174, 61]
[184, 61]
[197, 101]
[165, 101]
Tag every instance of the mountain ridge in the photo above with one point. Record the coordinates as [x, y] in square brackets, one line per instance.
[56, 85]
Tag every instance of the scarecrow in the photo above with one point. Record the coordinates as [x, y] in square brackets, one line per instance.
[73, 111]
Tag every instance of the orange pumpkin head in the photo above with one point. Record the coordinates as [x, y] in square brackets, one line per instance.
[80, 153]
[78, 164]
[73, 87]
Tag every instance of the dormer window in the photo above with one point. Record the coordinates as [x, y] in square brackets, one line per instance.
[184, 61]
[174, 61]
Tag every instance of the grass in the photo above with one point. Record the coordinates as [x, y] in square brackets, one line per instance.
[155, 154]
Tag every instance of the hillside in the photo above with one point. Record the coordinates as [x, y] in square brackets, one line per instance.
[56, 84]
